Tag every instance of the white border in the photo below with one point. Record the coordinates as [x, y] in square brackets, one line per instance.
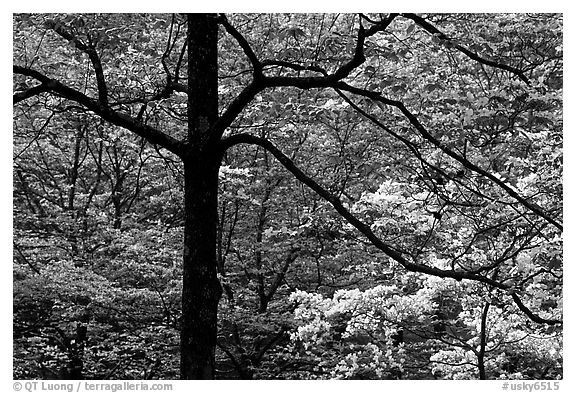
[297, 6]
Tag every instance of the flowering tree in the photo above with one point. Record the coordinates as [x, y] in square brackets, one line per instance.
[417, 146]
[429, 333]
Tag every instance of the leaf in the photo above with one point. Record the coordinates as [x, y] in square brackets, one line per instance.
[295, 32]
[410, 28]
[431, 87]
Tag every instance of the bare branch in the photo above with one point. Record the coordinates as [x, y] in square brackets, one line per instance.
[474, 56]
[23, 258]
[352, 219]
[24, 95]
[282, 273]
[165, 92]
[90, 50]
[335, 80]
[378, 26]
[180, 60]
[531, 315]
[244, 44]
[166, 54]
[327, 80]
[294, 66]
[376, 96]
[367, 232]
[235, 108]
[123, 120]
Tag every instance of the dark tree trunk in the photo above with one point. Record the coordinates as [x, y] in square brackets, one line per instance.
[201, 289]
[483, 339]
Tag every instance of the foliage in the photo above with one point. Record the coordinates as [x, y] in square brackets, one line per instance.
[399, 218]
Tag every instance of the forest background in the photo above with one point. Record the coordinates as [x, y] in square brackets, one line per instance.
[296, 32]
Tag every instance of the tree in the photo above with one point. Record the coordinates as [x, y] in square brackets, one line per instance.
[479, 197]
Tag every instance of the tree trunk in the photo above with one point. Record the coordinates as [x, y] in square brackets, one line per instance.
[201, 289]
[482, 351]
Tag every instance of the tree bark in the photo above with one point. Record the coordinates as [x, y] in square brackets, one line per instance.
[201, 289]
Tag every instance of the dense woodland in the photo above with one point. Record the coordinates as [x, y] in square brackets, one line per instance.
[274, 196]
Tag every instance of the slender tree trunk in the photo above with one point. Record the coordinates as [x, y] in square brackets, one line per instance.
[201, 289]
[73, 171]
[482, 352]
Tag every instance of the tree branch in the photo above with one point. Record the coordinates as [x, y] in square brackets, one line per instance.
[294, 66]
[531, 315]
[281, 274]
[258, 356]
[327, 80]
[344, 70]
[24, 95]
[23, 258]
[367, 232]
[335, 81]
[90, 50]
[123, 120]
[376, 96]
[244, 44]
[166, 54]
[235, 108]
[474, 56]
[378, 26]
[352, 219]
[261, 81]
